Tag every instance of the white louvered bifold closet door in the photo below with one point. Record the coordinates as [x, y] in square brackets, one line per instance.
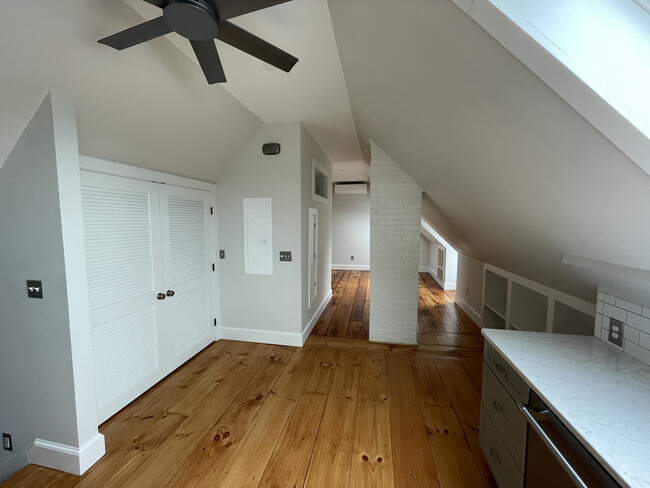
[186, 241]
[122, 235]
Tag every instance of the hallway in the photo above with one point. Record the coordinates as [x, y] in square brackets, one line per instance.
[440, 321]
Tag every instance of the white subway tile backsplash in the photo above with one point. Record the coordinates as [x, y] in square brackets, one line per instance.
[631, 334]
[614, 312]
[639, 322]
[638, 352]
[644, 340]
[629, 306]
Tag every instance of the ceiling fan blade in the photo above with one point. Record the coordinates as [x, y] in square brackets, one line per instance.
[253, 45]
[157, 3]
[232, 8]
[206, 53]
[137, 35]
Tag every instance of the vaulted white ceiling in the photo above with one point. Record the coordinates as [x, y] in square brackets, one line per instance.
[314, 92]
[512, 174]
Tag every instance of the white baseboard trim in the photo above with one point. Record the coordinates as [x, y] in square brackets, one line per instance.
[425, 269]
[75, 460]
[262, 336]
[310, 325]
[450, 285]
[14, 463]
[352, 267]
[473, 314]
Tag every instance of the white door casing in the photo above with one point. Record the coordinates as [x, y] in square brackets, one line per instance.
[313, 254]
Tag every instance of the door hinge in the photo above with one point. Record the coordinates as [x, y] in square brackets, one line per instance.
[213, 267]
[211, 211]
[215, 322]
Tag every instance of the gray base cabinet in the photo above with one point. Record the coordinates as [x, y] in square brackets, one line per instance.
[503, 431]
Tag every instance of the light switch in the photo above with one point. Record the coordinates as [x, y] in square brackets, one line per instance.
[34, 289]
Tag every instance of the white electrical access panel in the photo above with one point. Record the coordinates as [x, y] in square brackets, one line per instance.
[258, 236]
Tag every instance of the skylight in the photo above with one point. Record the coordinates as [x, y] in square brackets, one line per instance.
[604, 43]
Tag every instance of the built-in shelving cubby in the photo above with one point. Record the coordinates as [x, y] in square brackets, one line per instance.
[516, 303]
[491, 320]
[527, 309]
[496, 293]
[567, 320]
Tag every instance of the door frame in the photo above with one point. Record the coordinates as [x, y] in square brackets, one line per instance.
[312, 254]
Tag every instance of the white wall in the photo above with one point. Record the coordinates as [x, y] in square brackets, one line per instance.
[469, 289]
[516, 176]
[264, 308]
[309, 150]
[425, 250]
[46, 381]
[351, 231]
[395, 210]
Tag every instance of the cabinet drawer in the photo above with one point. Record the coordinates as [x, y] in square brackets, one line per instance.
[505, 415]
[503, 467]
[508, 377]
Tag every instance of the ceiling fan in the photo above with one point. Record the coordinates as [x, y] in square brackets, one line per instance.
[203, 21]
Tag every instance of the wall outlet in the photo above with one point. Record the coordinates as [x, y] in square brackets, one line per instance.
[351, 258]
[7, 443]
[467, 291]
[222, 254]
[616, 328]
[285, 255]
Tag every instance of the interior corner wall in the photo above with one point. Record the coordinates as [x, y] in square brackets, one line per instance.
[262, 308]
[38, 367]
[395, 213]
[469, 289]
[425, 250]
[309, 149]
[351, 231]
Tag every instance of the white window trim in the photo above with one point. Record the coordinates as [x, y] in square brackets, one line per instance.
[315, 165]
[617, 123]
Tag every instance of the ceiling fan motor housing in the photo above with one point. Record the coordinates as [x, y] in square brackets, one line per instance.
[192, 19]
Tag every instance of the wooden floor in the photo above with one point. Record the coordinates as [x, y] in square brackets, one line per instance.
[338, 412]
[440, 321]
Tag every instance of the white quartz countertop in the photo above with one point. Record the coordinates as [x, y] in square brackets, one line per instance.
[599, 393]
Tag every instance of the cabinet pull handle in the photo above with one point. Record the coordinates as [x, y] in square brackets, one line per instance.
[161, 296]
[501, 370]
[171, 293]
[495, 456]
[498, 409]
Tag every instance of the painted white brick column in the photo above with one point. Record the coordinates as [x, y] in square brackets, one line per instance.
[395, 213]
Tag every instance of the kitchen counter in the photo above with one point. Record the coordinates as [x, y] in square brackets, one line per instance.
[599, 393]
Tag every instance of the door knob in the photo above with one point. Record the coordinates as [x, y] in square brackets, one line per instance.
[161, 296]
[170, 293]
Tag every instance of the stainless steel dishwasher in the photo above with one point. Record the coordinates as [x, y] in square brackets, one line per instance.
[555, 458]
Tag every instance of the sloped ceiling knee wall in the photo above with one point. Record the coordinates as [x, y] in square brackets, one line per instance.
[512, 174]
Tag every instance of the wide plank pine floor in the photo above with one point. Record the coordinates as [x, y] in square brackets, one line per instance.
[339, 412]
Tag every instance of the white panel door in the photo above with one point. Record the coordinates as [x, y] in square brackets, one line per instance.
[258, 238]
[187, 261]
[122, 235]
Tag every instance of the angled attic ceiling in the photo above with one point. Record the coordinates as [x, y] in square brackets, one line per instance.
[513, 175]
[314, 92]
[149, 107]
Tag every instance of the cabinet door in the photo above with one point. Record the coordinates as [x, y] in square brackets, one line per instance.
[187, 257]
[124, 265]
